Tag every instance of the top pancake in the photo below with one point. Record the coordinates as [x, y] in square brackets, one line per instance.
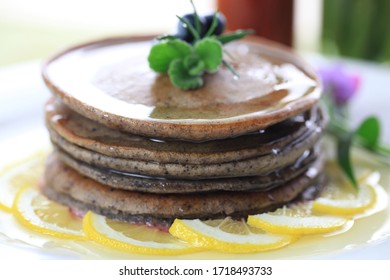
[110, 82]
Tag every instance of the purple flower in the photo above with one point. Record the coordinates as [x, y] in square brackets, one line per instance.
[340, 84]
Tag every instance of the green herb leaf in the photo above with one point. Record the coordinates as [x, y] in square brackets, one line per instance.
[181, 78]
[194, 65]
[196, 17]
[209, 51]
[166, 37]
[213, 25]
[343, 155]
[190, 28]
[236, 35]
[161, 55]
[185, 63]
[369, 132]
[231, 68]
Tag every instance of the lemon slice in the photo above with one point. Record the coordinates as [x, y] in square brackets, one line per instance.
[37, 213]
[5, 208]
[133, 238]
[291, 221]
[345, 202]
[19, 174]
[227, 235]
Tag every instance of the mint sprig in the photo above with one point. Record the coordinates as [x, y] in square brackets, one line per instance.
[209, 51]
[186, 63]
[181, 77]
[161, 55]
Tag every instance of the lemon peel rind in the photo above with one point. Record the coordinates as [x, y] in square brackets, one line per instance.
[345, 207]
[13, 169]
[288, 225]
[5, 208]
[182, 229]
[90, 220]
[37, 225]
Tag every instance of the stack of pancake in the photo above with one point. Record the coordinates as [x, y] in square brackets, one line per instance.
[130, 146]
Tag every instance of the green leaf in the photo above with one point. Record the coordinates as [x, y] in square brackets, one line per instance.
[343, 155]
[236, 35]
[181, 78]
[213, 25]
[162, 54]
[190, 28]
[194, 65]
[369, 132]
[166, 37]
[196, 17]
[209, 51]
[231, 68]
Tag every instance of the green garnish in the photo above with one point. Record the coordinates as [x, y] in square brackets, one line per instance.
[210, 52]
[163, 54]
[190, 28]
[367, 134]
[182, 78]
[232, 36]
[344, 144]
[185, 62]
[197, 21]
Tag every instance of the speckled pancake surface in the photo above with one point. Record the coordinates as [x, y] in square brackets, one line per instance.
[249, 167]
[67, 186]
[110, 82]
[126, 181]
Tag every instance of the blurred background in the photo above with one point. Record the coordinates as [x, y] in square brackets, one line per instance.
[353, 34]
[33, 29]
[346, 41]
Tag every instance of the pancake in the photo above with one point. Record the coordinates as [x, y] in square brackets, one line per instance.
[68, 127]
[67, 186]
[110, 82]
[126, 181]
[273, 156]
[132, 147]
[250, 167]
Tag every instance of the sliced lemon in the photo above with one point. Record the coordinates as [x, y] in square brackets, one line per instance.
[227, 235]
[19, 174]
[291, 221]
[132, 238]
[5, 208]
[344, 201]
[37, 213]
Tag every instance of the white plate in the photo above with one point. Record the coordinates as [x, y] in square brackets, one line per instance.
[22, 97]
